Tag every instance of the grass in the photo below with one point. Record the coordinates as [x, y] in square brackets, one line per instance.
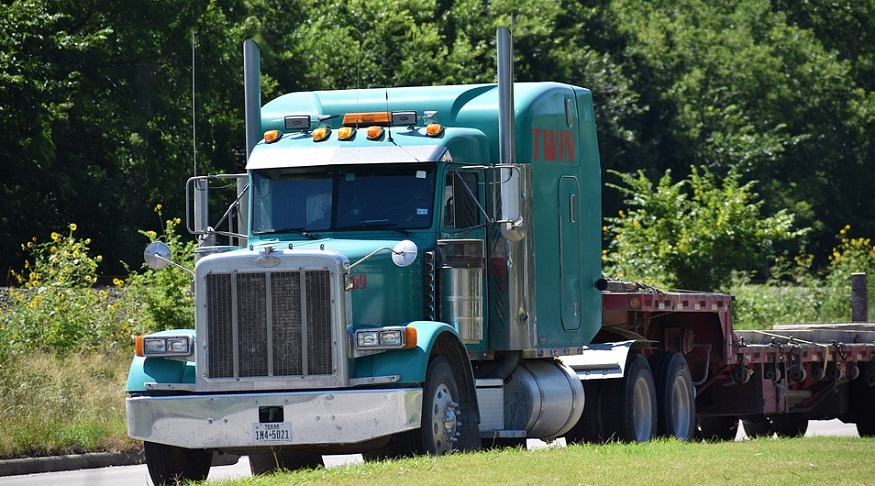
[51, 404]
[815, 460]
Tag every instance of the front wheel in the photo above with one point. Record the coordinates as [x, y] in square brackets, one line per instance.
[170, 465]
[441, 427]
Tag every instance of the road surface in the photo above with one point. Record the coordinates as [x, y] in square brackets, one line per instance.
[139, 475]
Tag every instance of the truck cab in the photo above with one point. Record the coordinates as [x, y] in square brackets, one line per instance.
[395, 273]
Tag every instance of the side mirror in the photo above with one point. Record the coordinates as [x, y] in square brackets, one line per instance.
[157, 255]
[404, 253]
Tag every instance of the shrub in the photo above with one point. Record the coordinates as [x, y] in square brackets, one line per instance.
[165, 295]
[691, 234]
[56, 306]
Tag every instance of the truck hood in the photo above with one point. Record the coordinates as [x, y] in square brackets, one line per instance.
[353, 249]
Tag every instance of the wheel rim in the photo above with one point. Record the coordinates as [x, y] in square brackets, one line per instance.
[642, 411]
[444, 420]
[682, 408]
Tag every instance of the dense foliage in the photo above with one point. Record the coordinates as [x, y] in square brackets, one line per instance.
[96, 97]
[694, 233]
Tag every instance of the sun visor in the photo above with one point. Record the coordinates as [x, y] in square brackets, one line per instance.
[277, 156]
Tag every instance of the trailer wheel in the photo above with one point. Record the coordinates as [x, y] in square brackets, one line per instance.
[172, 465]
[757, 426]
[271, 462]
[441, 426]
[717, 428]
[628, 407]
[863, 407]
[789, 425]
[675, 395]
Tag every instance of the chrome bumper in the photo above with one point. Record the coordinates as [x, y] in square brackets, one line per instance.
[225, 421]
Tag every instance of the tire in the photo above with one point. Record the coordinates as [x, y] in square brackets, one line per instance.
[440, 429]
[757, 427]
[283, 461]
[170, 465]
[863, 407]
[587, 428]
[675, 396]
[789, 425]
[628, 405]
[717, 428]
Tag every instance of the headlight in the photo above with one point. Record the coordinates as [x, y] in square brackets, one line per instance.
[385, 338]
[157, 346]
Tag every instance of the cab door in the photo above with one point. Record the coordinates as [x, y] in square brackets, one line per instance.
[569, 252]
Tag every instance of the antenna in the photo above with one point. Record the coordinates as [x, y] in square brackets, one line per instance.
[388, 128]
[193, 112]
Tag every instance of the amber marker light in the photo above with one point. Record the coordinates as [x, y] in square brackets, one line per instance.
[138, 346]
[434, 129]
[375, 132]
[321, 134]
[377, 118]
[272, 136]
[409, 337]
[346, 133]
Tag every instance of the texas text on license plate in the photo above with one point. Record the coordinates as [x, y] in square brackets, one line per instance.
[274, 432]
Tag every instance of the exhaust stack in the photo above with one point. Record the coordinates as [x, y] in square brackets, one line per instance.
[512, 224]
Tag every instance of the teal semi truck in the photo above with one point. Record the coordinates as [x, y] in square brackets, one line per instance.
[418, 271]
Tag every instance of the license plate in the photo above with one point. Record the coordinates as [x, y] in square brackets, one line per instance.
[270, 433]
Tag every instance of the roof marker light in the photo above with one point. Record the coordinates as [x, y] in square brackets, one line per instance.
[356, 119]
[321, 134]
[272, 136]
[346, 133]
[375, 132]
[434, 129]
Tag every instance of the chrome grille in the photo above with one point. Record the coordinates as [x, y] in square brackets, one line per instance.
[269, 324]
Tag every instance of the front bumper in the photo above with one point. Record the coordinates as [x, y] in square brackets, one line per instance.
[314, 418]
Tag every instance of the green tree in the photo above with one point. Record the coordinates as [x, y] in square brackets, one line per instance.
[691, 234]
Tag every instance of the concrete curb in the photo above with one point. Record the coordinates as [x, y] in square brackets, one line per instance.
[34, 465]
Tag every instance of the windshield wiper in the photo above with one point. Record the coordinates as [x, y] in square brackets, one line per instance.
[300, 231]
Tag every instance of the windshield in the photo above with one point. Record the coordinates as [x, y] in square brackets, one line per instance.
[355, 197]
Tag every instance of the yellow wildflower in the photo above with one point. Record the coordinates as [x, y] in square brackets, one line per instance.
[56, 236]
[157, 207]
[73, 227]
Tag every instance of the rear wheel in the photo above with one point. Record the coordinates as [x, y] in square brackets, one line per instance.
[628, 406]
[790, 425]
[675, 395]
[283, 461]
[170, 465]
[757, 426]
[717, 428]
